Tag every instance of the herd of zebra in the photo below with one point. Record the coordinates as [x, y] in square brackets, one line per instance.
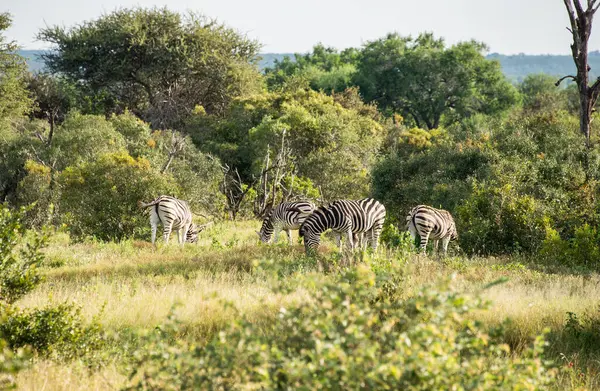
[359, 222]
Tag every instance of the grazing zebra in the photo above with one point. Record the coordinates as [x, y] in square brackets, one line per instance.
[354, 219]
[173, 214]
[429, 222]
[286, 216]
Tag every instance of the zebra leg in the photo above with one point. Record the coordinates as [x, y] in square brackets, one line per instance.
[167, 232]
[435, 245]
[338, 240]
[374, 238]
[289, 236]
[185, 230]
[424, 240]
[276, 232]
[445, 243]
[350, 237]
[153, 233]
[413, 232]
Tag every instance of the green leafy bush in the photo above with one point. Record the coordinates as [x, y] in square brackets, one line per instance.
[582, 250]
[19, 258]
[497, 220]
[353, 334]
[100, 198]
[58, 330]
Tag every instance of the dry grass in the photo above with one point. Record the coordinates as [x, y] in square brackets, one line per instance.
[135, 286]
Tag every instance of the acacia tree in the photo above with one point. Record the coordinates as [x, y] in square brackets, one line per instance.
[158, 63]
[581, 29]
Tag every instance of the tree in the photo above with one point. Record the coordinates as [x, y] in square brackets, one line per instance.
[581, 29]
[324, 142]
[324, 69]
[539, 92]
[157, 63]
[14, 99]
[424, 80]
[54, 97]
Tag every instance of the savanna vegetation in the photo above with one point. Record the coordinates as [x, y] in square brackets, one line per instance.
[143, 102]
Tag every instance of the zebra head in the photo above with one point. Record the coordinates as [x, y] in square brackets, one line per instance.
[266, 230]
[192, 234]
[311, 239]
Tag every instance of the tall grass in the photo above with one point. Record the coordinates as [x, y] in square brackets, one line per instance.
[133, 286]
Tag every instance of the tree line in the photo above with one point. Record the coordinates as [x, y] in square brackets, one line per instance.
[145, 101]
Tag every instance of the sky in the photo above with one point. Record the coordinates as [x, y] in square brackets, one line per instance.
[282, 26]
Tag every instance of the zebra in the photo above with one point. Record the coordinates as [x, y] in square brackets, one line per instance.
[433, 223]
[286, 216]
[354, 219]
[172, 213]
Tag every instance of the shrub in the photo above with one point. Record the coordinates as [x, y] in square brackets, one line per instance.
[54, 329]
[352, 335]
[498, 220]
[100, 198]
[83, 138]
[19, 258]
[582, 250]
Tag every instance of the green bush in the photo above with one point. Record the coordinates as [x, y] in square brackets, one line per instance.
[19, 257]
[58, 330]
[83, 138]
[354, 334]
[498, 220]
[100, 198]
[582, 250]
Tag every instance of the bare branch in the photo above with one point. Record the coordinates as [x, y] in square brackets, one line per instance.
[563, 78]
[571, 13]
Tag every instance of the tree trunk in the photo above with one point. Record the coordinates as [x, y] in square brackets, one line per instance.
[581, 30]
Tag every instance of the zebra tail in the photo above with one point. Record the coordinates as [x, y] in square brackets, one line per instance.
[143, 205]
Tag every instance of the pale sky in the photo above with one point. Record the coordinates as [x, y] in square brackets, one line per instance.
[506, 26]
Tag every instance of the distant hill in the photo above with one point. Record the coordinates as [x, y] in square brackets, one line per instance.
[268, 59]
[515, 67]
[36, 64]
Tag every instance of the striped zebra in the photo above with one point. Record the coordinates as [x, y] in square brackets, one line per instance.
[428, 222]
[286, 216]
[173, 214]
[353, 219]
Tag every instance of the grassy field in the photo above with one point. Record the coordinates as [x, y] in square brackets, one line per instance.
[132, 287]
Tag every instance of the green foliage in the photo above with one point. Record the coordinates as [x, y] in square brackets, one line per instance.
[500, 221]
[83, 138]
[507, 181]
[14, 99]
[324, 69]
[11, 362]
[424, 80]
[353, 334]
[54, 97]
[19, 258]
[582, 250]
[320, 132]
[155, 62]
[425, 169]
[540, 92]
[99, 198]
[59, 330]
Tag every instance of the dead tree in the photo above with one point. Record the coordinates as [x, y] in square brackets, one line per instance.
[177, 145]
[581, 29]
[271, 178]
